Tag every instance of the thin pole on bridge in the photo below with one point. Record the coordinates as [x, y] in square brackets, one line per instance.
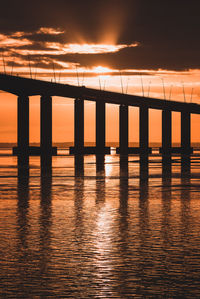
[54, 73]
[149, 88]
[12, 67]
[99, 83]
[121, 82]
[83, 80]
[35, 73]
[191, 95]
[183, 92]
[77, 76]
[142, 85]
[170, 92]
[163, 88]
[127, 85]
[30, 67]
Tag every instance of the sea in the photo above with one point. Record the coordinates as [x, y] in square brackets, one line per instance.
[99, 226]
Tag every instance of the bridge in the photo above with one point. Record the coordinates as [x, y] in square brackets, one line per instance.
[23, 88]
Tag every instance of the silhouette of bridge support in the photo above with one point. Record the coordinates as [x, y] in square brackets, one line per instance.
[123, 133]
[123, 130]
[23, 123]
[186, 133]
[46, 126]
[167, 148]
[24, 87]
[101, 128]
[78, 147]
[22, 126]
[23, 147]
[166, 133]
[79, 125]
[144, 131]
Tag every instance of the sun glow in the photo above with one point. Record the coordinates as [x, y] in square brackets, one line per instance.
[95, 48]
[87, 48]
[101, 69]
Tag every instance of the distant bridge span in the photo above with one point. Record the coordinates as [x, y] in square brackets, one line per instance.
[25, 87]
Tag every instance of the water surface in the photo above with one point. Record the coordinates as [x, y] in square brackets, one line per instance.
[98, 227]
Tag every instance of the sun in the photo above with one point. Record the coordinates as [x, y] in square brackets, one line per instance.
[101, 69]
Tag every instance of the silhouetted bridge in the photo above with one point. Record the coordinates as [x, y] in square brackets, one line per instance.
[24, 87]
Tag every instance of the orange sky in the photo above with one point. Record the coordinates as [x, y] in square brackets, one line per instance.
[47, 53]
[133, 47]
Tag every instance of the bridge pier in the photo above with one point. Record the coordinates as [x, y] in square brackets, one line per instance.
[123, 129]
[79, 147]
[46, 126]
[143, 148]
[23, 147]
[22, 126]
[186, 133]
[79, 126]
[166, 133]
[101, 128]
[144, 130]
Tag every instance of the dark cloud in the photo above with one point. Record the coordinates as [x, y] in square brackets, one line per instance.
[43, 37]
[36, 47]
[168, 31]
[46, 65]
[13, 64]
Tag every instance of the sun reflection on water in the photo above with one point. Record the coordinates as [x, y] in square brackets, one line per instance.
[108, 166]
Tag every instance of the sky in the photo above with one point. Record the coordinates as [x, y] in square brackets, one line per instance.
[130, 46]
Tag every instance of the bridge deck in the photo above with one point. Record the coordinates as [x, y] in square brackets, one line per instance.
[30, 87]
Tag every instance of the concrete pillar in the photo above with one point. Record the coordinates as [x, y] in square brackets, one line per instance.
[79, 125]
[23, 124]
[144, 130]
[185, 132]
[166, 132]
[46, 125]
[123, 129]
[100, 126]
